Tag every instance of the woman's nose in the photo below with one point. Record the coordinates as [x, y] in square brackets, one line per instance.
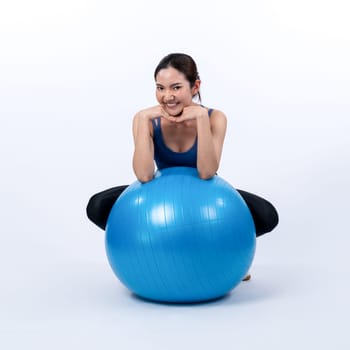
[169, 96]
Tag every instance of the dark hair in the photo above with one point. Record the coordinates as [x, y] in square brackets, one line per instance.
[184, 64]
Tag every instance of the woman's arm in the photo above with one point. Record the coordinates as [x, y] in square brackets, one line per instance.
[143, 158]
[211, 134]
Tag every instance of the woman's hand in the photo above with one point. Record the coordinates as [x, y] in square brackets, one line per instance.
[189, 113]
[152, 113]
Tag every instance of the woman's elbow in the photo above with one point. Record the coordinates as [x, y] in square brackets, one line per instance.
[143, 173]
[144, 178]
[207, 171]
[206, 175]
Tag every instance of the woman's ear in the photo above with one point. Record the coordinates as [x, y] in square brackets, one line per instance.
[196, 87]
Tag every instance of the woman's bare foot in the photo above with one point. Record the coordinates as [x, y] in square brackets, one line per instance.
[247, 278]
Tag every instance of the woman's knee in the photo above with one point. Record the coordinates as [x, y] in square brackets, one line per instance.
[93, 207]
[268, 219]
[100, 205]
[272, 217]
[264, 214]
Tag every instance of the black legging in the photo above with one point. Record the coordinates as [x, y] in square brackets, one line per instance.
[263, 212]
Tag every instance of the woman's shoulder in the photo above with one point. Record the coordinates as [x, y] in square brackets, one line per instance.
[215, 113]
[218, 119]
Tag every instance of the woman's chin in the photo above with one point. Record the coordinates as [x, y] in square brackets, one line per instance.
[175, 113]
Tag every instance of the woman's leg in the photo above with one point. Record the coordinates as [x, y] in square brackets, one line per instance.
[101, 203]
[264, 214]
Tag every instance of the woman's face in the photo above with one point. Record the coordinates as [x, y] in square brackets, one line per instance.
[174, 92]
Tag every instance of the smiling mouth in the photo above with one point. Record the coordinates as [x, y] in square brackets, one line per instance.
[171, 105]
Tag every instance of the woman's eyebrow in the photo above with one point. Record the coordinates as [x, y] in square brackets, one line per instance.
[172, 85]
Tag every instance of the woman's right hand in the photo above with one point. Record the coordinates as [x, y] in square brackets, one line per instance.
[152, 113]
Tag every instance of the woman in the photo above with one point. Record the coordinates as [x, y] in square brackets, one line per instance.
[179, 132]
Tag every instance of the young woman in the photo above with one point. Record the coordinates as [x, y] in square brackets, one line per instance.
[179, 132]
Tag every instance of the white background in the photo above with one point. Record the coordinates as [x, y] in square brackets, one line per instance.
[72, 75]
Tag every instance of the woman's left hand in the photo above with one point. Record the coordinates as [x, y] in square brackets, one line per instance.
[189, 113]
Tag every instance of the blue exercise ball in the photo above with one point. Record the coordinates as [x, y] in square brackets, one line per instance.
[180, 239]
